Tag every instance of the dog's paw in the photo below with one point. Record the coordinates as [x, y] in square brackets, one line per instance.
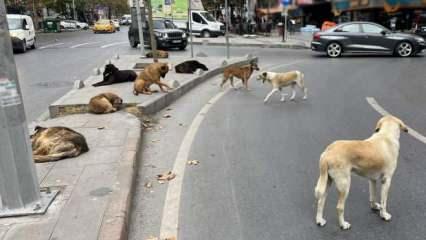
[345, 226]
[375, 206]
[385, 216]
[321, 222]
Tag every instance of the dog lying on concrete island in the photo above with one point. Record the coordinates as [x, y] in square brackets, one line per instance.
[152, 74]
[113, 75]
[374, 158]
[281, 80]
[56, 143]
[160, 54]
[105, 103]
[242, 72]
[190, 67]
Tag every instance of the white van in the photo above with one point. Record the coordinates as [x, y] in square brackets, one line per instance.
[205, 25]
[22, 32]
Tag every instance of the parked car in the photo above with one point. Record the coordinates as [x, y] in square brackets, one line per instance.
[366, 37]
[68, 24]
[81, 25]
[22, 32]
[126, 20]
[205, 25]
[104, 25]
[420, 25]
[166, 33]
[116, 24]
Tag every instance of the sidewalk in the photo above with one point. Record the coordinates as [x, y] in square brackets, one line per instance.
[96, 188]
[294, 41]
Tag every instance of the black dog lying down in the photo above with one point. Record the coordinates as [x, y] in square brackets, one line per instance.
[190, 67]
[113, 75]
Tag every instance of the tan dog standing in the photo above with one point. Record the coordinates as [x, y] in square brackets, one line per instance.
[105, 103]
[281, 80]
[152, 74]
[56, 143]
[243, 73]
[374, 158]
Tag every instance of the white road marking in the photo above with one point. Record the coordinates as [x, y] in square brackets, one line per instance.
[51, 45]
[170, 220]
[83, 44]
[383, 112]
[113, 44]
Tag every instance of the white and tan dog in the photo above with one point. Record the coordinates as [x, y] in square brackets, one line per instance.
[374, 158]
[281, 80]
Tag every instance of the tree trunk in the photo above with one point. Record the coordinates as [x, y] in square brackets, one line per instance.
[151, 31]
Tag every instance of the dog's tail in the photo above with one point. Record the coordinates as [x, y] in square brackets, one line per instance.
[323, 178]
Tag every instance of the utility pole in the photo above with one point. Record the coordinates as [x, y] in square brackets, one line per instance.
[151, 31]
[140, 29]
[73, 10]
[19, 190]
[226, 28]
[190, 27]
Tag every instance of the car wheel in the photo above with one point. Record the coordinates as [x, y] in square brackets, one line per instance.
[205, 34]
[133, 42]
[404, 49]
[34, 44]
[334, 50]
[183, 47]
[118, 29]
[23, 47]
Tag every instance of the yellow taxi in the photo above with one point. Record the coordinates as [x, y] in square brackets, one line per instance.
[104, 25]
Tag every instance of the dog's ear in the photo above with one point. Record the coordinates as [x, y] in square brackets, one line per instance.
[264, 74]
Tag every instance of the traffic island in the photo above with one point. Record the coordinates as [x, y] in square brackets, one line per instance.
[76, 101]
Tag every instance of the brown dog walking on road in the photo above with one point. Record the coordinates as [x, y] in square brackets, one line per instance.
[105, 103]
[152, 74]
[243, 73]
[374, 158]
[56, 143]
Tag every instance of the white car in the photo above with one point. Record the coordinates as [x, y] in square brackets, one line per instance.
[68, 24]
[81, 25]
[22, 32]
[116, 24]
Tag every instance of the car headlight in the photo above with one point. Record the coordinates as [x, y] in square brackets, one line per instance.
[184, 35]
[160, 35]
[420, 39]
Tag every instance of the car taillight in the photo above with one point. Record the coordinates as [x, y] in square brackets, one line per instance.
[317, 36]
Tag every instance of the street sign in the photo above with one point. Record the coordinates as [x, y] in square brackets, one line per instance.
[285, 2]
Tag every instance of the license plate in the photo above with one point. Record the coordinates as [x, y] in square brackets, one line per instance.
[176, 41]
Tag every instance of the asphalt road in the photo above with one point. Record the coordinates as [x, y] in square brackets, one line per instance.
[48, 72]
[259, 163]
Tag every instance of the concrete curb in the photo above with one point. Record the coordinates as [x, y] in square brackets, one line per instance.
[156, 104]
[116, 218]
[261, 45]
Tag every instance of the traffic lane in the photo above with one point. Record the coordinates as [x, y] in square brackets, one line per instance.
[259, 164]
[46, 75]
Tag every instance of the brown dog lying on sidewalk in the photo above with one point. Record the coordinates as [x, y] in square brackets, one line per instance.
[243, 73]
[152, 74]
[113, 75]
[56, 143]
[374, 158]
[105, 103]
[160, 54]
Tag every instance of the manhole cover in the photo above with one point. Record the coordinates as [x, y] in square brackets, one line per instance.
[53, 84]
[140, 65]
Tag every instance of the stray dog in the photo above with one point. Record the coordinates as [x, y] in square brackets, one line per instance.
[160, 54]
[190, 67]
[374, 158]
[151, 74]
[105, 103]
[56, 143]
[281, 80]
[113, 75]
[243, 73]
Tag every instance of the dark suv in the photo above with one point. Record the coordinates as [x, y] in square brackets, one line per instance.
[166, 34]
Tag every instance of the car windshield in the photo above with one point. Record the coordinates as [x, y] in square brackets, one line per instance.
[14, 23]
[161, 24]
[208, 16]
[103, 22]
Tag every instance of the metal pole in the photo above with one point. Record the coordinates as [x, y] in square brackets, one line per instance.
[226, 28]
[190, 27]
[19, 189]
[285, 23]
[151, 31]
[73, 10]
[140, 30]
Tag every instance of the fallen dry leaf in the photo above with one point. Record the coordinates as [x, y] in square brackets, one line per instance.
[162, 178]
[167, 116]
[100, 128]
[193, 162]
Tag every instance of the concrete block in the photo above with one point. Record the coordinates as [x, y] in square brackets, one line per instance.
[175, 84]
